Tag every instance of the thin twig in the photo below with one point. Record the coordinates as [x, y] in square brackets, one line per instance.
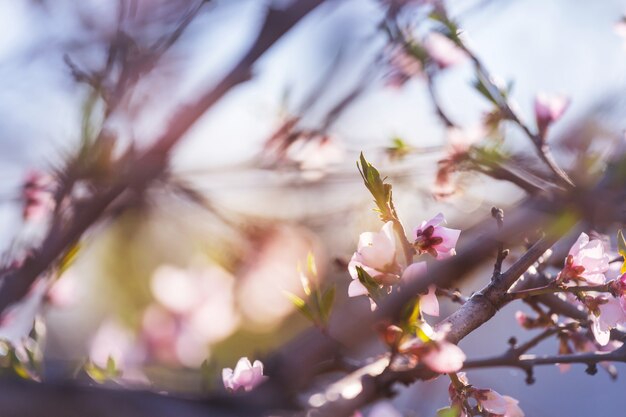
[528, 361]
[430, 83]
[498, 214]
[552, 289]
[542, 148]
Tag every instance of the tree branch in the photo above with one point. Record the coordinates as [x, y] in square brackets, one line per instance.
[16, 283]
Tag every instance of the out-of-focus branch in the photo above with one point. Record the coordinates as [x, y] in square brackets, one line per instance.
[430, 83]
[500, 172]
[552, 289]
[20, 398]
[542, 148]
[16, 283]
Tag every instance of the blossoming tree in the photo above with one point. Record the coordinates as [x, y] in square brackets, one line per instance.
[559, 251]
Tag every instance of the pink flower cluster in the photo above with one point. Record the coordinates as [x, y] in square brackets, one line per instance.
[438, 241]
[587, 262]
[611, 312]
[376, 255]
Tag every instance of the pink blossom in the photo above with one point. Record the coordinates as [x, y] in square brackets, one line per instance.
[617, 287]
[246, 375]
[522, 319]
[512, 409]
[112, 340]
[445, 357]
[611, 315]
[188, 299]
[376, 254]
[548, 109]
[435, 239]
[37, 197]
[491, 401]
[428, 302]
[586, 261]
[443, 51]
[492, 404]
[437, 354]
[64, 291]
[497, 405]
[459, 143]
[402, 67]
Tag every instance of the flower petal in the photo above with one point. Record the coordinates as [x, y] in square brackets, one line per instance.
[447, 357]
[429, 303]
[493, 402]
[356, 289]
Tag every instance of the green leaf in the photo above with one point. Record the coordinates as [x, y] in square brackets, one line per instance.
[451, 411]
[95, 372]
[417, 51]
[450, 29]
[373, 287]
[326, 306]
[411, 317]
[376, 186]
[420, 333]
[18, 366]
[310, 264]
[305, 281]
[480, 86]
[101, 375]
[21, 371]
[301, 305]
[68, 258]
[111, 368]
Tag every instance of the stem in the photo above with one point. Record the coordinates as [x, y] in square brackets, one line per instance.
[408, 249]
[498, 214]
[528, 361]
[454, 378]
[454, 295]
[542, 148]
[499, 172]
[519, 350]
[551, 289]
[430, 82]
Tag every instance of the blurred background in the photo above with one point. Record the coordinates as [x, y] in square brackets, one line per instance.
[219, 240]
